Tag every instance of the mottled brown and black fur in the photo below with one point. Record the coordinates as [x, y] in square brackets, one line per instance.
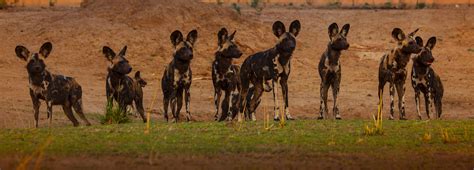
[270, 65]
[330, 67]
[226, 76]
[52, 88]
[119, 86]
[392, 68]
[177, 77]
[425, 80]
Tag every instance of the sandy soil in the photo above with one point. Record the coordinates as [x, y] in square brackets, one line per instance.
[78, 35]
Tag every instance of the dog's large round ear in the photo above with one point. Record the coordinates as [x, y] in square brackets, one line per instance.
[333, 30]
[46, 49]
[176, 37]
[345, 30]
[398, 34]
[231, 36]
[22, 52]
[419, 41]
[431, 43]
[295, 27]
[413, 33]
[221, 36]
[108, 53]
[123, 51]
[278, 28]
[192, 36]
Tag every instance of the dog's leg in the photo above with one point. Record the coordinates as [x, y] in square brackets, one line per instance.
[173, 105]
[392, 102]
[225, 105]
[323, 108]
[235, 102]
[140, 109]
[187, 99]
[284, 89]
[248, 114]
[417, 102]
[179, 98]
[380, 95]
[428, 104]
[68, 110]
[401, 99]
[36, 107]
[78, 108]
[335, 92]
[258, 91]
[49, 107]
[217, 99]
[243, 101]
[166, 102]
[276, 104]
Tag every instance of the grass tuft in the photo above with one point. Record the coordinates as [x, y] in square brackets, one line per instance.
[448, 138]
[114, 115]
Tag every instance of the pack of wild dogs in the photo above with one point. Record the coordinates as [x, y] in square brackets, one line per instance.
[242, 85]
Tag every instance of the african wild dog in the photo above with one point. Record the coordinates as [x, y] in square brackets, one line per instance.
[119, 86]
[392, 68]
[178, 75]
[52, 88]
[330, 68]
[226, 76]
[272, 64]
[425, 80]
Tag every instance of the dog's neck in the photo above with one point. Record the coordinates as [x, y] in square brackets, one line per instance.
[223, 63]
[333, 55]
[116, 78]
[181, 65]
[419, 68]
[283, 58]
[402, 58]
[38, 79]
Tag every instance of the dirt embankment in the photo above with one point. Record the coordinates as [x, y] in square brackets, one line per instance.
[145, 25]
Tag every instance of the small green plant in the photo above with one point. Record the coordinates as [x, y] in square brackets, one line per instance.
[387, 5]
[236, 7]
[366, 6]
[114, 114]
[421, 5]
[377, 129]
[254, 3]
[3, 4]
[334, 4]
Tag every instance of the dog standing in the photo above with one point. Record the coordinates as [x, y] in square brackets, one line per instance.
[330, 68]
[119, 86]
[177, 77]
[52, 88]
[226, 76]
[425, 80]
[270, 65]
[392, 68]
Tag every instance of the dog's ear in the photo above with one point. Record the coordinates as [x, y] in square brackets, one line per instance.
[176, 37]
[123, 51]
[221, 36]
[413, 33]
[137, 75]
[192, 37]
[278, 28]
[398, 34]
[419, 41]
[139, 79]
[333, 30]
[45, 49]
[431, 43]
[22, 52]
[295, 27]
[345, 30]
[231, 37]
[108, 53]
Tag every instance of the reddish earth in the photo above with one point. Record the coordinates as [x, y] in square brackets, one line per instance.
[78, 35]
